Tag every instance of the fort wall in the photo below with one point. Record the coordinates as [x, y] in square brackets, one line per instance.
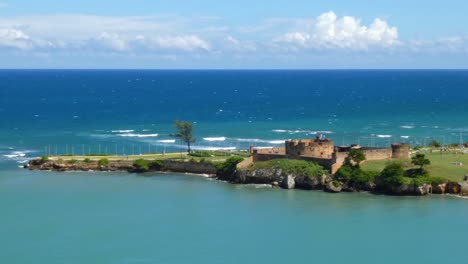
[323, 152]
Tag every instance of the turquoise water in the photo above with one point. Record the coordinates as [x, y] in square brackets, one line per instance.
[52, 217]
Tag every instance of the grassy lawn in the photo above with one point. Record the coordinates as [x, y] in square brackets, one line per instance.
[442, 165]
[181, 155]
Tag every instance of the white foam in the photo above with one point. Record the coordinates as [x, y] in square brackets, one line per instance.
[123, 131]
[214, 139]
[276, 142]
[15, 154]
[167, 141]
[384, 136]
[408, 127]
[301, 131]
[404, 136]
[137, 135]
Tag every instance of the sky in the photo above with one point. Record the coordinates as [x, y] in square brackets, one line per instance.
[241, 34]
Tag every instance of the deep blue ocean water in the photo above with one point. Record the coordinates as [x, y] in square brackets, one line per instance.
[51, 217]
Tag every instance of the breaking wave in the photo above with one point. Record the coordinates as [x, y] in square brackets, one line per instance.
[123, 131]
[137, 135]
[214, 138]
[384, 136]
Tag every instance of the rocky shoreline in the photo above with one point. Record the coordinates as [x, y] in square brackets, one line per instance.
[274, 177]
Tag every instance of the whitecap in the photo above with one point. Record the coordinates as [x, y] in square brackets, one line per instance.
[137, 135]
[408, 127]
[123, 131]
[302, 131]
[214, 139]
[384, 136]
[167, 141]
[276, 142]
[404, 136]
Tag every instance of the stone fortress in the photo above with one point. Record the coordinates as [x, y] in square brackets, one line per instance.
[325, 153]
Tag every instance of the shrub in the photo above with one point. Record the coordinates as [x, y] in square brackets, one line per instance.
[157, 164]
[72, 161]
[355, 176]
[141, 165]
[44, 159]
[298, 167]
[336, 183]
[435, 144]
[201, 153]
[392, 174]
[103, 162]
[87, 160]
[228, 167]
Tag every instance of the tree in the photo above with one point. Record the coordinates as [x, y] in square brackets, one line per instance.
[421, 161]
[184, 132]
[356, 156]
[392, 174]
[435, 144]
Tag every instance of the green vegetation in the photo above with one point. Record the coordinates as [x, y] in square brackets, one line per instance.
[157, 164]
[184, 132]
[351, 171]
[447, 165]
[228, 167]
[103, 162]
[72, 161]
[434, 144]
[87, 160]
[44, 159]
[218, 153]
[141, 165]
[393, 174]
[298, 167]
[421, 161]
[355, 156]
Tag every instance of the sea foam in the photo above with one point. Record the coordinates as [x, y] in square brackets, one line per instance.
[137, 135]
[214, 138]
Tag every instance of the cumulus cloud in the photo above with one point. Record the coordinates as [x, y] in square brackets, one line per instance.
[14, 38]
[331, 31]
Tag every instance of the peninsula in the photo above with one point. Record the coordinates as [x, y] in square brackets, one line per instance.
[311, 164]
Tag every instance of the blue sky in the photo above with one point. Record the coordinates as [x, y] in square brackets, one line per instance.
[235, 34]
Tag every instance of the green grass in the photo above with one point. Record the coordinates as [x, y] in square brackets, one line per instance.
[181, 156]
[441, 165]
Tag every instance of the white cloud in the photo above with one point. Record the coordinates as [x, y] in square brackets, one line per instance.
[231, 43]
[113, 41]
[14, 38]
[330, 31]
[183, 42]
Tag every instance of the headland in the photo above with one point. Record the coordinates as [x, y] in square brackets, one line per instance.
[310, 164]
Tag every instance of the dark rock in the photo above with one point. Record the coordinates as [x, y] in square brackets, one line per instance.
[453, 188]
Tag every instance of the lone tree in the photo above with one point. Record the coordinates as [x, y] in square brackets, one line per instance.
[184, 132]
[355, 156]
[421, 161]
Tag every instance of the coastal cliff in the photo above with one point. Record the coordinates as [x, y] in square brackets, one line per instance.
[123, 165]
[274, 176]
[280, 178]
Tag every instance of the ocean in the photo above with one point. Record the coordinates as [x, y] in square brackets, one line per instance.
[95, 217]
